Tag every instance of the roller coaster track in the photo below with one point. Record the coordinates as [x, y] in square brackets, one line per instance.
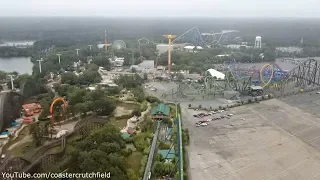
[151, 153]
[305, 74]
[45, 161]
[199, 36]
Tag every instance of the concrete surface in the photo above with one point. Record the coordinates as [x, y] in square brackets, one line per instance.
[262, 141]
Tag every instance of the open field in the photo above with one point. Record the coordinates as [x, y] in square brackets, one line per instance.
[263, 141]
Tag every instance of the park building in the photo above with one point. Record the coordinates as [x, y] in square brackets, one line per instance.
[160, 112]
[117, 62]
[101, 46]
[214, 73]
[146, 66]
[192, 48]
[163, 48]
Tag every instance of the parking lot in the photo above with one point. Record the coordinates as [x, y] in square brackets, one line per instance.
[262, 141]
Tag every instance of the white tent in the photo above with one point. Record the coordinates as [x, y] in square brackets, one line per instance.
[215, 73]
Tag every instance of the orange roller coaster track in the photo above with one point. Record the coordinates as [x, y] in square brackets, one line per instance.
[52, 104]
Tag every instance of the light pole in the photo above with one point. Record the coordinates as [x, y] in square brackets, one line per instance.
[40, 64]
[11, 78]
[59, 55]
[77, 52]
[90, 46]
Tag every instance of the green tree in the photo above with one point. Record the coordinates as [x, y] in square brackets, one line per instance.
[132, 175]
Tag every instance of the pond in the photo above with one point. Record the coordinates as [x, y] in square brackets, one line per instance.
[22, 65]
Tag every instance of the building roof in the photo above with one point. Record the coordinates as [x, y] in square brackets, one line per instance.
[131, 131]
[215, 73]
[167, 153]
[125, 135]
[147, 63]
[192, 47]
[161, 108]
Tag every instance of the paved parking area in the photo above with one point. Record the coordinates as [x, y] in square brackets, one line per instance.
[263, 141]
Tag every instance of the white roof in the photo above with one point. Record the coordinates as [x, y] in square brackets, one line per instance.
[192, 47]
[215, 73]
[147, 63]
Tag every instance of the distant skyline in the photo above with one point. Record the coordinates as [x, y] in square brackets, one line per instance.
[162, 8]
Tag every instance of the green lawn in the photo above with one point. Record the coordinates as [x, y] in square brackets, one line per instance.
[129, 106]
[121, 123]
[134, 161]
[23, 148]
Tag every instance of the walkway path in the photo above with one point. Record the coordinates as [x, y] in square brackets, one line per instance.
[133, 124]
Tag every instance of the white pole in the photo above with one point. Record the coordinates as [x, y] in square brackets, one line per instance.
[59, 55]
[77, 52]
[40, 64]
[90, 46]
[11, 78]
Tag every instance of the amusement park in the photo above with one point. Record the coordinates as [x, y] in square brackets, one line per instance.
[167, 108]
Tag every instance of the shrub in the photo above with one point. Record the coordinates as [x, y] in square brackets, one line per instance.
[143, 106]
[189, 105]
[256, 99]
[200, 106]
[249, 100]
[242, 102]
[210, 107]
[263, 98]
[220, 107]
[136, 112]
[164, 146]
[269, 96]
[152, 99]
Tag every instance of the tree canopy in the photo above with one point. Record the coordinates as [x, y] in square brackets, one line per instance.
[102, 151]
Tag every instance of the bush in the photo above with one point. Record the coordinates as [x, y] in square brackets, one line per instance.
[210, 107]
[242, 102]
[152, 99]
[269, 96]
[220, 107]
[200, 106]
[249, 100]
[189, 105]
[136, 112]
[144, 106]
[163, 145]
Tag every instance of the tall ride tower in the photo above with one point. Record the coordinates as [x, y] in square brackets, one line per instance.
[170, 38]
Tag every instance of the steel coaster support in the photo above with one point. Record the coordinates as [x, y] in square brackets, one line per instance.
[171, 147]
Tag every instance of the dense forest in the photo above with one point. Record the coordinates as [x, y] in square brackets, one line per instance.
[273, 31]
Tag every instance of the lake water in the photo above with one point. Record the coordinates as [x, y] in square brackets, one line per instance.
[20, 64]
[17, 43]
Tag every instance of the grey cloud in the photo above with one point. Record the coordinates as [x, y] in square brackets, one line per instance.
[215, 8]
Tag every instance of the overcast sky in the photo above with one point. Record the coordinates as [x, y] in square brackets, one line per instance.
[214, 8]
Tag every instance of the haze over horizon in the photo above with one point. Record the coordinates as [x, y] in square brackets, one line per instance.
[163, 8]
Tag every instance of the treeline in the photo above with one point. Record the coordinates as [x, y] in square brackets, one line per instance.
[15, 52]
[273, 31]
